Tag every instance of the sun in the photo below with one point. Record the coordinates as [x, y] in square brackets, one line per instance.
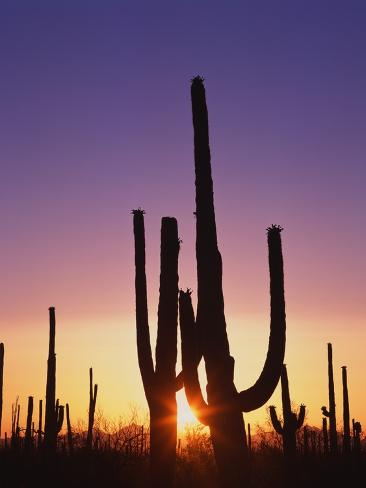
[185, 414]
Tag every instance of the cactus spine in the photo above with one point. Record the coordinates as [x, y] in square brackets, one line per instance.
[92, 403]
[1, 381]
[291, 421]
[225, 405]
[346, 418]
[159, 383]
[331, 413]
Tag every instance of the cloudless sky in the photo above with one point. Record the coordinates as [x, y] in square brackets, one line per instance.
[95, 119]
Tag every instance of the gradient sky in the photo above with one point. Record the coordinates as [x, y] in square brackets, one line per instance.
[95, 120]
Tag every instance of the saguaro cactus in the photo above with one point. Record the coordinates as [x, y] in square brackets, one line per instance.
[346, 418]
[70, 440]
[28, 431]
[92, 403]
[1, 381]
[159, 383]
[225, 405]
[54, 414]
[291, 421]
[356, 427]
[331, 413]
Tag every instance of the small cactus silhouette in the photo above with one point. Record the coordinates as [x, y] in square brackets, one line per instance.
[291, 421]
[346, 417]
[331, 413]
[93, 392]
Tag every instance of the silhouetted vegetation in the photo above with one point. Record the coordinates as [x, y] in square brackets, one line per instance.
[291, 421]
[137, 452]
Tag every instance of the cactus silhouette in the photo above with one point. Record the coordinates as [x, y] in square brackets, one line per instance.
[1, 381]
[356, 427]
[223, 413]
[50, 418]
[28, 431]
[70, 439]
[291, 421]
[331, 413]
[346, 418]
[160, 384]
[92, 403]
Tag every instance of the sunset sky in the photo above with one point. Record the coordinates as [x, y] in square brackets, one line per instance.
[95, 120]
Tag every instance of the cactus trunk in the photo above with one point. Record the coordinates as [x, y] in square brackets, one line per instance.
[69, 430]
[346, 417]
[325, 437]
[28, 432]
[332, 405]
[92, 403]
[50, 420]
[159, 384]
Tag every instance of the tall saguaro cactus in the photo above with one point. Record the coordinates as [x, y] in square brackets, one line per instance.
[1, 381]
[92, 403]
[331, 413]
[346, 417]
[159, 383]
[291, 421]
[54, 413]
[225, 405]
[50, 421]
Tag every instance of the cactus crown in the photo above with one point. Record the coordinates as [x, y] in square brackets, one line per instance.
[274, 229]
[197, 80]
[138, 211]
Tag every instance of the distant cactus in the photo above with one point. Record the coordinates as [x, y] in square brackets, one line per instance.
[50, 434]
[59, 416]
[291, 421]
[160, 383]
[346, 418]
[92, 403]
[1, 381]
[356, 427]
[28, 431]
[70, 439]
[331, 413]
[225, 405]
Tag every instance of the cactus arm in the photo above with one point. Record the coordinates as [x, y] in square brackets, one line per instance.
[166, 342]
[274, 419]
[189, 358]
[301, 417]
[142, 323]
[325, 411]
[261, 391]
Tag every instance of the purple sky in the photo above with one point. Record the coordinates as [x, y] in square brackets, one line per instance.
[95, 120]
